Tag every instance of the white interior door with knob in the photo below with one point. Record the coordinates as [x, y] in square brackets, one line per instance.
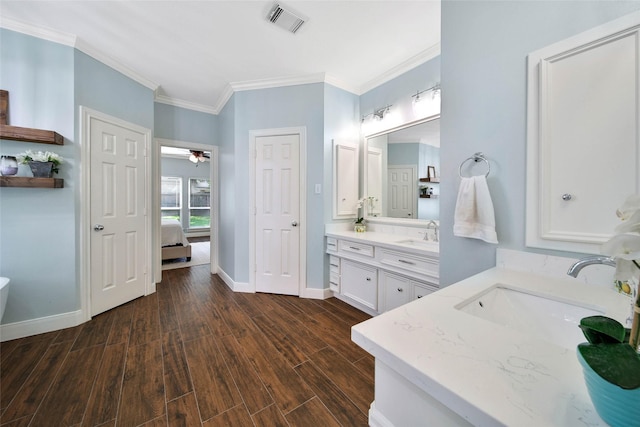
[118, 213]
[402, 191]
[277, 214]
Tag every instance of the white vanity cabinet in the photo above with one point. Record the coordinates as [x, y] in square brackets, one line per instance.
[377, 276]
[360, 283]
[396, 290]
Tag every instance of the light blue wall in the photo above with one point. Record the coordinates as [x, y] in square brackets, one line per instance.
[406, 153]
[398, 91]
[181, 124]
[292, 106]
[227, 195]
[39, 228]
[484, 50]
[37, 225]
[104, 89]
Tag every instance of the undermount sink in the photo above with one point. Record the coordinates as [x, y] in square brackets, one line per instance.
[538, 316]
[418, 243]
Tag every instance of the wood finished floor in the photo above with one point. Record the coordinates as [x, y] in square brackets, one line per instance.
[193, 354]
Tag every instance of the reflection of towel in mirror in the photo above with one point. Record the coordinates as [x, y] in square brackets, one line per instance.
[474, 216]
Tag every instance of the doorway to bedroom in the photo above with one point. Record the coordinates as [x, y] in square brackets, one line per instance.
[188, 208]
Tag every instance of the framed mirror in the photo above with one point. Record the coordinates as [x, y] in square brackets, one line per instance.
[401, 173]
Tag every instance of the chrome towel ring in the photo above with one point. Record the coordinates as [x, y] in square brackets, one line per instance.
[477, 157]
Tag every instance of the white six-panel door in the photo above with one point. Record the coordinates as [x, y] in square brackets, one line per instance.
[401, 192]
[118, 215]
[277, 199]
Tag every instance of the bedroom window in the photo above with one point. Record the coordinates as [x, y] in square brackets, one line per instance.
[171, 196]
[199, 203]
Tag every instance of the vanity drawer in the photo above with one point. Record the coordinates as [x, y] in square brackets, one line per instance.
[334, 282]
[420, 290]
[334, 264]
[332, 244]
[355, 248]
[408, 262]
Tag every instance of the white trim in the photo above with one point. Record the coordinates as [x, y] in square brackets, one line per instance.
[376, 418]
[253, 135]
[277, 82]
[401, 68]
[224, 97]
[235, 286]
[41, 325]
[214, 208]
[315, 293]
[72, 40]
[48, 34]
[163, 99]
[86, 114]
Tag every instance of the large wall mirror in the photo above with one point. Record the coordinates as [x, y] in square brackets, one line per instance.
[401, 173]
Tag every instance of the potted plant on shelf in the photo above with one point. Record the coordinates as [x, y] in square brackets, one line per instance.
[359, 225]
[610, 359]
[43, 164]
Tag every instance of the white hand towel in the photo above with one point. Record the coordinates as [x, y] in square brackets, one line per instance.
[474, 216]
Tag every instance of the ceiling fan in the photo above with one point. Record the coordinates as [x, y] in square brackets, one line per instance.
[198, 156]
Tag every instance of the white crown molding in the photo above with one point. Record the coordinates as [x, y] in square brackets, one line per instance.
[224, 97]
[84, 47]
[334, 81]
[277, 82]
[163, 99]
[401, 68]
[75, 42]
[41, 33]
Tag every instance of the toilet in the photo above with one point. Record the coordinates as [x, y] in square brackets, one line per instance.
[4, 293]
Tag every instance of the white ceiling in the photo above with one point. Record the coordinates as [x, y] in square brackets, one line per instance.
[193, 53]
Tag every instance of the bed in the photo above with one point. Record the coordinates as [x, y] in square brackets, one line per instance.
[174, 242]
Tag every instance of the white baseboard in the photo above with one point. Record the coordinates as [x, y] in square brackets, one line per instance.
[376, 419]
[26, 328]
[315, 293]
[233, 285]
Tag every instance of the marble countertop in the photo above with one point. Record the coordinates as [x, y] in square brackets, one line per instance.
[488, 373]
[391, 241]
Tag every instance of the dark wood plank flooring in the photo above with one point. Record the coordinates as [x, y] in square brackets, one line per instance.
[193, 354]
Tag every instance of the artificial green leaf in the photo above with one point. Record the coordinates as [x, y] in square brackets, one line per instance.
[618, 364]
[602, 329]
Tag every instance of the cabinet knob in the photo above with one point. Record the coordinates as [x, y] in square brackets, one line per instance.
[400, 289]
[566, 197]
[368, 279]
[419, 296]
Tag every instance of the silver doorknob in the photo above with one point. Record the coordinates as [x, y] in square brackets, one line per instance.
[294, 223]
[566, 197]
[98, 227]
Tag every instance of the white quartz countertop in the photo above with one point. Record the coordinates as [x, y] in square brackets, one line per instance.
[488, 373]
[391, 241]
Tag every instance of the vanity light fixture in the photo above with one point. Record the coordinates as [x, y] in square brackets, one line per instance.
[377, 114]
[435, 90]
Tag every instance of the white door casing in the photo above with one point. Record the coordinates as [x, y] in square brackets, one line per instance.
[115, 224]
[278, 243]
[402, 191]
[374, 180]
[214, 208]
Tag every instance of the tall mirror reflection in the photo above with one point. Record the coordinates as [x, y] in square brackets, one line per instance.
[402, 172]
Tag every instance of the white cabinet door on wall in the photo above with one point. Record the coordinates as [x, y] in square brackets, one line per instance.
[582, 137]
[345, 179]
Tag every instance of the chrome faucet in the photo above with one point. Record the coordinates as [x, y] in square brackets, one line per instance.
[435, 228]
[589, 260]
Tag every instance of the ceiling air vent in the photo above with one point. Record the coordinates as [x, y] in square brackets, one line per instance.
[285, 18]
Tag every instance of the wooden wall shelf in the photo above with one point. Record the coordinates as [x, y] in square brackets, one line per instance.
[428, 196]
[16, 133]
[25, 181]
[435, 180]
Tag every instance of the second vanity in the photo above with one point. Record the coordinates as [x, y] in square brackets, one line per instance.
[496, 349]
[377, 271]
